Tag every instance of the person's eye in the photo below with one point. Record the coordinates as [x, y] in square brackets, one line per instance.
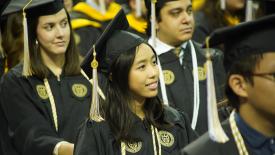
[48, 27]
[141, 67]
[189, 11]
[64, 24]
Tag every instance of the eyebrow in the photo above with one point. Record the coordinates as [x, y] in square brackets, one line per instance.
[144, 60]
[65, 18]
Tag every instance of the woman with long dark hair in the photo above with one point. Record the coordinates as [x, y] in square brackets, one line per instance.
[135, 120]
[45, 99]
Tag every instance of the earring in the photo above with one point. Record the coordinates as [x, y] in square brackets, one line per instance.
[36, 42]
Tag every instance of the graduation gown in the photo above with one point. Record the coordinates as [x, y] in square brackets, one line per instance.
[204, 145]
[26, 107]
[180, 89]
[96, 138]
[2, 66]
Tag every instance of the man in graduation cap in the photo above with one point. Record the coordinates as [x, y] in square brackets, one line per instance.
[89, 19]
[250, 66]
[183, 61]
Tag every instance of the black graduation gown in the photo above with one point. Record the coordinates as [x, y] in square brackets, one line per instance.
[26, 106]
[2, 66]
[95, 138]
[204, 145]
[203, 27]
[181, 91]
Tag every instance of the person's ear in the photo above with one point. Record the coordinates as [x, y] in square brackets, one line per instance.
[238, 85]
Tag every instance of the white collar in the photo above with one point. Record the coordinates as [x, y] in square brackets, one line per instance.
[162, 47]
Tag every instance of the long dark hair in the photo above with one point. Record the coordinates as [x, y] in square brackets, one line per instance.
[13, 39]
[117, 107]
[72, 58]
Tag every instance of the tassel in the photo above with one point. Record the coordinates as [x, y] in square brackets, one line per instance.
[223, 4]
[94, 110]
[102, 6]
[216, 131]
[249, 11]
[153, 22]
[138, 8]
[26, 64]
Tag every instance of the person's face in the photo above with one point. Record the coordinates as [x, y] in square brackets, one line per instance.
[143, 75]
[53, 33]
[235, 5]
[177, 23]
[261, 95]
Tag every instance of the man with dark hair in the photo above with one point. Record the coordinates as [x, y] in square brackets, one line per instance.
[249, 62]
[183, 61]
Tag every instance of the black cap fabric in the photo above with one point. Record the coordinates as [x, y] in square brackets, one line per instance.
[113, 41]
[245, 39]
[36, 7]
[268, 6]
[3, 5]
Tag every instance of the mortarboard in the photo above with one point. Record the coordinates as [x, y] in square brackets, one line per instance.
[268, 6]
[113, 41]
[245, 39]
[32, 9]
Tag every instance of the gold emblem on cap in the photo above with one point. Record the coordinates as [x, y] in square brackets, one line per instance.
[41, 90]
[201, 73]
[133, 147]
[79, 90]
[166, 138]
[169, 77]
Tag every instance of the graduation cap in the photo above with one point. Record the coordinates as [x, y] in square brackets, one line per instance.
[240, 41]
[32, 9]
[268, 6]
[245, 39]
[113, 42]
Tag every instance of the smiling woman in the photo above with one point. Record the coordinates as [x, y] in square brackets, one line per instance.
[136, 121]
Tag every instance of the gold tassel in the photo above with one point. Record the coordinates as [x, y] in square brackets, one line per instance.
[216, 131]
[26, 64]
[94, 110]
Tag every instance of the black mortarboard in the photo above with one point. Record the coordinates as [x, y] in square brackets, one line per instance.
[268, 6]
[245, 39]
[35, 8]
[113, 41]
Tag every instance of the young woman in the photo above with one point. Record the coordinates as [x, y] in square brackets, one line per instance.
[135, 120]
[45, 106]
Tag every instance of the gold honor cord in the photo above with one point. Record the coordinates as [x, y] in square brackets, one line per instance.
[53, 106]
[154, 133]
[237, 135]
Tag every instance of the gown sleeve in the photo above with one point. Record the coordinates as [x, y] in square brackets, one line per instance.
[30, 132]
[90, 139]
